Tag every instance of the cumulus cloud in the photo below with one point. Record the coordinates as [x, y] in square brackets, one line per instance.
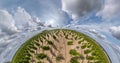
[57, 18]
[36, 20]
[46, 13]
[115, 30]
[22, 18]
[77, 8]
[111, 9]
[18, 21]
[7, 23]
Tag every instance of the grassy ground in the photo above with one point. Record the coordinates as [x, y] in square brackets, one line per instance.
[60, 46]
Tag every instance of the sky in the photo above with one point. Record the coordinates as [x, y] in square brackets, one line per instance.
[24, 16]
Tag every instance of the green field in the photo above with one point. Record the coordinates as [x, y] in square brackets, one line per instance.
[60, 46]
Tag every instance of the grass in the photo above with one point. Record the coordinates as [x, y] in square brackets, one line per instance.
[70, 43]
[74, 52]
[74, 60]
[35, 48]
[45, 47]
[59, 58]
[41, 56]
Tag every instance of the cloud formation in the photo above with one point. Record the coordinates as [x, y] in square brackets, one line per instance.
[17, 21]
[115, 30]
[78, 8]
[98, 34]
[46, 13]
[22, 18]
[111, 9]
[7, 23]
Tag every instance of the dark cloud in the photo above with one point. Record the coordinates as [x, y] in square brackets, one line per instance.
[79, 8]
[110, 10]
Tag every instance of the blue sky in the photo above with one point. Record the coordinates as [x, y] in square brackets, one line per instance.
[45, 10]
[25, 16]
[48, 9]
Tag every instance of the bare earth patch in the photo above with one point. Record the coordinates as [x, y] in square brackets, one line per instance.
[60, 46]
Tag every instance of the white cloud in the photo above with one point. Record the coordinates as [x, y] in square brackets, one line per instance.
[77, 8]
[37, 21]
[57, 18]
[111, 9]
[115, 30]
[7, 23]
[98, 34]
[19, 21]
[0, 31]
[22, 18]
